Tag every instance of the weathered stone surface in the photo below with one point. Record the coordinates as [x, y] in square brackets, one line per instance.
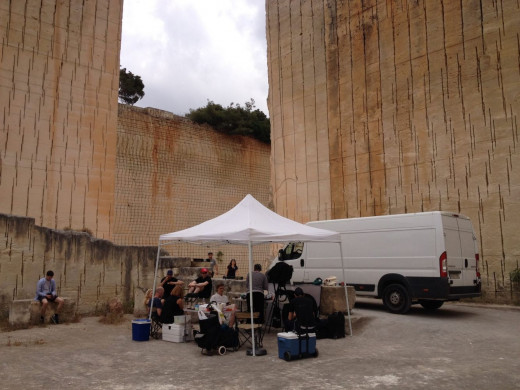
[333, 299]
[72, 158]
[58, 112]
[383, 108]
[28, 312]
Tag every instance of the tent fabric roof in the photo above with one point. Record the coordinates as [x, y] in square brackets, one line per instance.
[250, 222]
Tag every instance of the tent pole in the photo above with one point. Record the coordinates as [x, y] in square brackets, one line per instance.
[251, 295]
[155, 278]
[346, 290]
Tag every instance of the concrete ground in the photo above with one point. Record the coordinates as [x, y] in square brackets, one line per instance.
[457, 347]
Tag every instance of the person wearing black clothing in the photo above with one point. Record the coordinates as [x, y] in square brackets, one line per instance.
[173, 306]
[302, 312]
[201, 287]
[231, 269]
[169, 282]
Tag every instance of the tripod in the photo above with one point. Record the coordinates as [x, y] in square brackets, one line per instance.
[280, 296]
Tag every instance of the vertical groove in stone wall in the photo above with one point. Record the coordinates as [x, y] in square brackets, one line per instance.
[419, 105]
[59, 67]
[298, 109]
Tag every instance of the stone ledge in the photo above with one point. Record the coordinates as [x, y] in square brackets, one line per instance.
[333, 299]
[27, 311]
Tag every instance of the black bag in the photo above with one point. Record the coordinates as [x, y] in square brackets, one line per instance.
[322, 329]
[228, 337]
[336, 325]
[280, 273]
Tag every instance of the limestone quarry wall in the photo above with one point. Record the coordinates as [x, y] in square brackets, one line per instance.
[384, 107]
[173, 174]
[59, 76]
[87, 270]
[72, 159]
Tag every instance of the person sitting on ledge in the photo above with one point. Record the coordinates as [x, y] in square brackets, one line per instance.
[45, 293]
[200, 287]
[169, 282]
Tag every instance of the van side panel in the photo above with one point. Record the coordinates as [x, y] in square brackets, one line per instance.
[396, 249]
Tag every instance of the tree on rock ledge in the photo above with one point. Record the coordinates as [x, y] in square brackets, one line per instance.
[234, 119]
[131, 87]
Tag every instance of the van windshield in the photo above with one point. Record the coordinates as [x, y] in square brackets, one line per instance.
[292, 251]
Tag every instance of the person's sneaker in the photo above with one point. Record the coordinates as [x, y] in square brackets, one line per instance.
[55, 319]
[42, 320]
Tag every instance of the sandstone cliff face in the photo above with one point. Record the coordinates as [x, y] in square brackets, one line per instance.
[69, 162]
[385, 107]
[59, 66]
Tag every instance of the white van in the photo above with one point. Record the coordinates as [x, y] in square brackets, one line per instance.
[424, 258]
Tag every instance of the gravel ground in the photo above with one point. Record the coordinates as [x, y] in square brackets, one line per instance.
[457, 347]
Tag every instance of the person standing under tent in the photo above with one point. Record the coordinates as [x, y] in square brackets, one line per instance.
[259, 285]
[232, 269]
[213, 265]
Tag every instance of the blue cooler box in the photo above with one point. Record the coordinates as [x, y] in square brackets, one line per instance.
[141, 329]
[288, 342]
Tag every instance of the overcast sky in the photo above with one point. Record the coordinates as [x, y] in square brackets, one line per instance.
[190, 51]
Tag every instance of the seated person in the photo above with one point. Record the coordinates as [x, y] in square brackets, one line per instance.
[200, 287]
[219, 297]
[173, 305]
[147, 296]
[158, 302]
[260, 284]
[169, 282]
[45, 293]
[302, 313]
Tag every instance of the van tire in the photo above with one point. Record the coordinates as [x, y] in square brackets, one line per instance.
[396, 299]
[430, 305]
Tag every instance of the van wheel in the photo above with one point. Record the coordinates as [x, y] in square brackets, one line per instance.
[430, 305]
[396, 299]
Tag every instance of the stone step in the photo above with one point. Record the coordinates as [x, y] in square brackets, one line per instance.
[168, 262]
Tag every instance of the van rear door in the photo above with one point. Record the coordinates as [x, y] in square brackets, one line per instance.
[461, 246]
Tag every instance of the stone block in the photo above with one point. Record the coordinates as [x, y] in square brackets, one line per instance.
[27, 311]
[333, 299]
[140, 309]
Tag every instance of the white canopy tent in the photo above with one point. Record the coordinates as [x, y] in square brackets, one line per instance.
[250, 223]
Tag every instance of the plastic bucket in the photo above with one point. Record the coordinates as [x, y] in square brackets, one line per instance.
[141, 329]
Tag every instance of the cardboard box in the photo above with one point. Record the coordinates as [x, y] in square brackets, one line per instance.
[288, 342]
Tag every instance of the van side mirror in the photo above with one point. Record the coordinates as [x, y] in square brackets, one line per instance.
[280, 254]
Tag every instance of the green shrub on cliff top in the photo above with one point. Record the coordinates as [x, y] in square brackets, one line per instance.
[234, 119]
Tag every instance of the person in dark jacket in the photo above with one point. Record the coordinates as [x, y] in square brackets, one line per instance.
[232, 269]
[173, 306]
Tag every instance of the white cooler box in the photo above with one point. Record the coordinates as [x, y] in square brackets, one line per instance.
[175, 332]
